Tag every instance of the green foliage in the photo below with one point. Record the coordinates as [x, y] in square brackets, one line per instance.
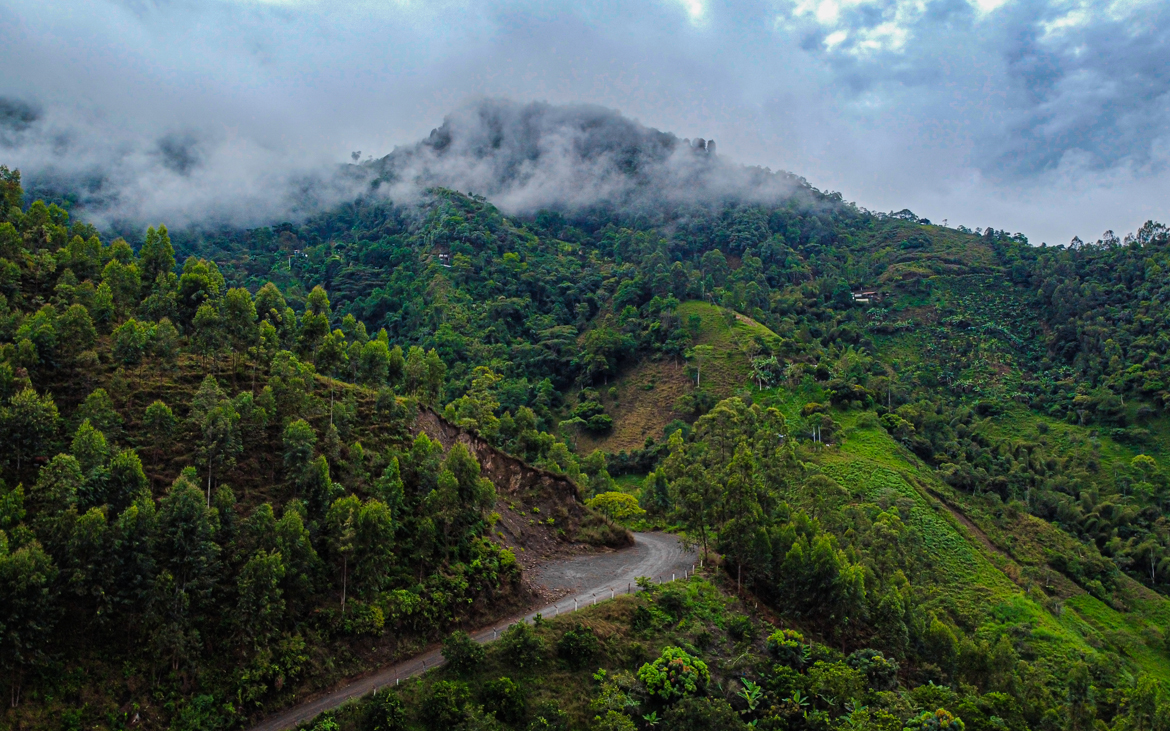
[695, 713]
[521, 647]
[939, 719]
[505, 699]
[1030, 382]
[787, 647]
[385, 713]
[27, 422]
[446, 705]
[578, 646]
[674, 674]
[617, 506]
[462, 653]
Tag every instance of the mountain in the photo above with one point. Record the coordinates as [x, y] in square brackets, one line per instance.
[928, 465]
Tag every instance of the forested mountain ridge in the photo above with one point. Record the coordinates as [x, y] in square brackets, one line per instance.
[942, 448]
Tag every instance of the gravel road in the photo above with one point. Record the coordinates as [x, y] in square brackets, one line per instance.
[587, 579]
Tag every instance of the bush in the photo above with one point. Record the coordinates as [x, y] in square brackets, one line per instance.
[880, 672]
[643, 619]
[740, 627]
[674, 601]
[940, 720]
[446, 706]
[364, 619]
[812, 407]
[549, 717]
[522, 647]
[787, 647]
[702, 714]
[600, 423]
[328, 723]
[578, 646]
[504, 699]
[614, 721]
[462, 653]
[385, 713]
[675, 674]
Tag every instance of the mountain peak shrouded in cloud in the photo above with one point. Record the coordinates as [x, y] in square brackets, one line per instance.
[526, 157]
[523, 157]
[1043, 116]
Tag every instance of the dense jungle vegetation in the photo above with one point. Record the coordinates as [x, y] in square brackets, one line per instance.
[934, 457]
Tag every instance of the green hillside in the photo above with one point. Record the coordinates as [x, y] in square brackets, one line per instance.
[940, 455]
[648, 395]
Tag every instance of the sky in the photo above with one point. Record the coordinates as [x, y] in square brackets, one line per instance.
[1046, 117]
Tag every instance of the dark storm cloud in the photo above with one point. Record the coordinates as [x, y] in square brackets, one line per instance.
[1046, 117]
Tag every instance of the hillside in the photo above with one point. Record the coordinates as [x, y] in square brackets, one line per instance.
[647, 395]
[312, 448]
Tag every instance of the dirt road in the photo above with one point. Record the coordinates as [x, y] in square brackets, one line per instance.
[588, 579]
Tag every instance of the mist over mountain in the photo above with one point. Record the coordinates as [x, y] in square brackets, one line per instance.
[523, 157]
[532, 156]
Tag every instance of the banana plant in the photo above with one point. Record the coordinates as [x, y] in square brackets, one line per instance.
[752, 694]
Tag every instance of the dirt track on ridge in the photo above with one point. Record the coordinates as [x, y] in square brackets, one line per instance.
[581, 581]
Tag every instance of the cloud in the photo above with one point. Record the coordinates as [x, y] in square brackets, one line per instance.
[574, 157]
[1044, 116]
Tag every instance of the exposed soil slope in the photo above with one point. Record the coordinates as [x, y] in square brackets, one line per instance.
[541, 514]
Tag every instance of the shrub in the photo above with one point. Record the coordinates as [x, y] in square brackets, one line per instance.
[614, 721]
[674, 601]
[787, 647]
[364, 619]
[326, 724]
[385, 713]
[740, 627]
[940, 720]
[504, 699]
[702, 714]
[812, 407]
[549, 717]
[446, 706]
[522, 647]
[643, 619]
[835, 680]
[880, 672]
[675, 674]
[577, 646]
[462, 653]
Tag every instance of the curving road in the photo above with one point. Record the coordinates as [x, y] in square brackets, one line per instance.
[588, 579]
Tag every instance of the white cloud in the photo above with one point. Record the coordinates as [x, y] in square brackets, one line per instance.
[954, 108]
[695, 9]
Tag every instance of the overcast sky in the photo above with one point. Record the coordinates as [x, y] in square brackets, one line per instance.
[1045, 117]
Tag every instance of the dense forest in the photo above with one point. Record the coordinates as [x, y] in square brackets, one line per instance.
[928, 464]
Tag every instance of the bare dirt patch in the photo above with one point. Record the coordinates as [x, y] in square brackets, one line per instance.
[646, 395]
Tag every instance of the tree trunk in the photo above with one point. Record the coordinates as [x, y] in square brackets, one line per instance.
[344, 580]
